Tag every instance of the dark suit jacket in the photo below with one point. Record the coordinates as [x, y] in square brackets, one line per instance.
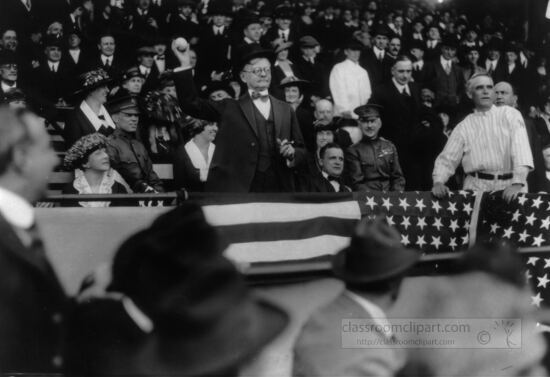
[443, 83]
[421, 76]
[213, 50]
[499, 74]
[379, 71]
[77, 125]
[185, 174]
[317, 73]
[54, 85]
[237, 143]
[115, 70]
[33, 305]
[315, 182]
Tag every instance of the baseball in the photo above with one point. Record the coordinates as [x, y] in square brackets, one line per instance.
[181, 44]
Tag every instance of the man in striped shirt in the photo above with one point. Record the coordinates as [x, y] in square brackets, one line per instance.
[491, 143]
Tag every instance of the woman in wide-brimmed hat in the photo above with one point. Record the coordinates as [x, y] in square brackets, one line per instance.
[162, 130]
[282, 67]
[178, 307]
[192, 160]
[89, 115]
[89, 160]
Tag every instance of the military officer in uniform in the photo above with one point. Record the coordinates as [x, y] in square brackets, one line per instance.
[372, 164]
[128, 155]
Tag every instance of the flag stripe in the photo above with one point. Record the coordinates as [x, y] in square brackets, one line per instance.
[271, 251]
[247, 213]
[263, 232]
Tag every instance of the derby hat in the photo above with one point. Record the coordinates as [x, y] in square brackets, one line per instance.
[449, 41]
[383, 30]
[53, 41]
[294, 81]
[319, 126]
[353, 44]
[283, 12]
[92, 80]
[204, 316]
[215, 86]
[251, 52]
[375, 254]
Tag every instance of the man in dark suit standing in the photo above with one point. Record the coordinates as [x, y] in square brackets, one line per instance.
[400, 99]
[107, 59]
[329, 179]
[214, 45]
[259, 139]
[376, 60]
[285, 30]
[31, 297]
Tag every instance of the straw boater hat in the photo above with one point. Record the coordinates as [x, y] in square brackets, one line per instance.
[80, 151]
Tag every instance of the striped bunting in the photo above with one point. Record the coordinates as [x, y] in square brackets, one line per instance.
[268, 228]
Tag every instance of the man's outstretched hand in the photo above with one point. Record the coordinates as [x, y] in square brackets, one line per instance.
[511, 192]
[439, 190]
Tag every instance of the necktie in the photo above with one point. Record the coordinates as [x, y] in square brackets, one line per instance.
[53, 68]
[107, 63]
[160, 57]
[258, 95]
[283, 36]
[380, 56]
[448, 67]
[404, 93]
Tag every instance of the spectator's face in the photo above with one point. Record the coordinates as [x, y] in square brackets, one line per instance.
[418, 27]
[209, 132]
[266, 22]
[505, 95]
[332, 162]
[160, 48]
[324, 111]
[100, 94]
[185, 10]
[402, 72]
[133, 85]
[546, 156]
[471, 36]
[144, 4]
[282, 55]
[398, 22]
[218, 20]
[253, 32]
[192, 58]
[428, 19]
[292, 94]
[418, 53]
[353, 55]
[98, 160]
[9, 40]
[370, 127]
[433, 33]
[494, 54]
[482, 92]
[78, 11]
[8, 72]
[53, 53]
[309, 52]
[171, 91]
[40, 159]
[511, 57]
[74, 41]
[427, 96]
[107, 45]
[448, 52]
[283, 23]
[347, 15]
[364, 38]
[127, 121]
[147, 60]
[395, 46]
[323, 138]
[381, 42]
[219, 95]
[257, 74]
[55, 29]
[372, 6]
[473, 57]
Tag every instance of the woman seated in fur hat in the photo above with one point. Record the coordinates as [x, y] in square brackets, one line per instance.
[93, 173]
[192, 160]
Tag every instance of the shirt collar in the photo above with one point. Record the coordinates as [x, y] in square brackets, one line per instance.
[444, 61]
[377, 314]
[15, 209]
[105, 57]
[377, 51]
[264, 92]
[483, 113]
[248, 40]
[400, 87]
[6, 87]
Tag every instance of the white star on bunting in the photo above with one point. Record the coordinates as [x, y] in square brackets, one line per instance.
[421, 223]
[536, 300]
[532, 260]
[543, 281]
[436, 242]
[420, 241]
[386, 203]
[537, 241]
[437, 223]
[454, 225]
[403, 203]
[537, 202]
[467, 208]
[546, 262]
[546, 223]
[452, 208]
[370, 202]
[420, 204]
[405, 240]
[530, 219]
[406, 223]
[508, 233]
[516, 215]
[453, 244]
[522, 199]
[436, 206]
[523, 236]
[494, 228]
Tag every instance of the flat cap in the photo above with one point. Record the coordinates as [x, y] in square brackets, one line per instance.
[308, 41]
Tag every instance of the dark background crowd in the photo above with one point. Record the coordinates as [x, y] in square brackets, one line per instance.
[52, 50]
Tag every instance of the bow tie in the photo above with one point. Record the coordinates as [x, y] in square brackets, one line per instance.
[259, 95]
[332, 178]
[160, 57]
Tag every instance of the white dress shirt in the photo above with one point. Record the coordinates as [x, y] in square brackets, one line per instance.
[284, 34]
[197, 158]
[493, 142]
[161, 64]
[6, 87]
[334, 184]
[377, 52]
[446, 64]
[400, 87]
[54, 66]
[105, 58]
[491, 65]
[145, 71]
[218, 30]
[264, 107]
[16, 210]
[75, 54]
[418, 65]
[350, 87]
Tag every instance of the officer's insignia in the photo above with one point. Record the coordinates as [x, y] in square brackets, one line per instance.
[385, 152]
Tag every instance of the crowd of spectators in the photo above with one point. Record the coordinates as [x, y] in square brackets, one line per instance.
[74, 61]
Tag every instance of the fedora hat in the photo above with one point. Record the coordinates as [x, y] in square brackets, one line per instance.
[375, 254]
[204, 316]
[91, 80]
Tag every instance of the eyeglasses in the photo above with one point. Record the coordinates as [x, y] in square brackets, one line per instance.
[8, 66]
[258, 71]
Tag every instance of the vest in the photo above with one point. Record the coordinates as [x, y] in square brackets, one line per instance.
[447, 84]
[266, 135]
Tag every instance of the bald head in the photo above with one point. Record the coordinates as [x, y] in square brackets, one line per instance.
[505, 94]
[324, 110]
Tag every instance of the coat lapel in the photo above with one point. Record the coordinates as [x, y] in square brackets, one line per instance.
[277, 110]
[248, 110]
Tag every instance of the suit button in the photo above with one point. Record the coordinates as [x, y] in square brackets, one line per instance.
[57, 318]
[57, 361]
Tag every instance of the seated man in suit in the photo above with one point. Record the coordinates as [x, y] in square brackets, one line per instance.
[331, 162]
[259, 140]
[372, 268]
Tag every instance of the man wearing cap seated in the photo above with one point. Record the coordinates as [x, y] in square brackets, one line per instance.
[132, 82]
[259, 140]
[128, 155]
[372, 268]
[331, 162]
[147, 67]
[491, 144]
[373, 163]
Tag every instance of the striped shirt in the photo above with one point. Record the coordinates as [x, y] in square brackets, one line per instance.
[493, 142]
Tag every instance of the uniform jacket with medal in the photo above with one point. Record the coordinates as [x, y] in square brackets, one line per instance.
[237, 143]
